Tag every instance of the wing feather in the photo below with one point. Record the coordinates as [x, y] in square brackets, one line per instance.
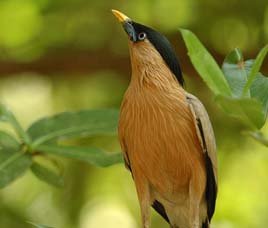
[207, 140]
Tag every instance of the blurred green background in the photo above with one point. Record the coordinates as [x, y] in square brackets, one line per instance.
[58, 55]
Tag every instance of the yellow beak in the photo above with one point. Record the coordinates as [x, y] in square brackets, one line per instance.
[120, 16]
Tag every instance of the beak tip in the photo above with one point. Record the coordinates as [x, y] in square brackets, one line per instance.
[120, 16]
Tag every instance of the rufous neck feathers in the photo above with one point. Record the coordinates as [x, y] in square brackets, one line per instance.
[148, 67]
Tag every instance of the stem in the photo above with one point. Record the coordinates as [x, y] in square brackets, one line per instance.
[258, 136]
[22, 134]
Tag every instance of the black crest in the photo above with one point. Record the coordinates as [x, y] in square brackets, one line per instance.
[163, 46]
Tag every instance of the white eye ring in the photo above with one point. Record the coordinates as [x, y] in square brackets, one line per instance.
[142, 36]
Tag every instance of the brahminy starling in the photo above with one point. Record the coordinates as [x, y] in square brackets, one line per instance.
[166, 135]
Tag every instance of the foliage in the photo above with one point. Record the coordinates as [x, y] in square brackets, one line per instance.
[43, 137]
[240, 89]
[71, 55]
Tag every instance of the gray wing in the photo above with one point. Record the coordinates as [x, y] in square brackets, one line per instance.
[207, 140]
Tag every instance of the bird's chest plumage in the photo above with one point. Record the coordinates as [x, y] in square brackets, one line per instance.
[157, 130]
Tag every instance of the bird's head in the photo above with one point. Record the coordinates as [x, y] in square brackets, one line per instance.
[149, 47]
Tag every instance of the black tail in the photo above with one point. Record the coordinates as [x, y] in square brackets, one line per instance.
[160, 210]
[205, 224]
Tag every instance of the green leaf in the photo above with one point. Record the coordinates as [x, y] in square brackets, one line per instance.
[93, 156]
[7, 141]
[13, 164]
[259, 87]
[247, 110]
[8, 116]
[255, 68]
[205, 64]
[38, 225]
[47, 174]
[74, 124]
[259, 90]
[234, 70]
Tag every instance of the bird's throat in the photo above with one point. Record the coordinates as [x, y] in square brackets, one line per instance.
[149, 69]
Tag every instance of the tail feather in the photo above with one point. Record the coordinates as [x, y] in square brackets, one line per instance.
[206, 224]
[160, 210]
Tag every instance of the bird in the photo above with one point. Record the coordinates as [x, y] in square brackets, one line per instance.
[165, 133]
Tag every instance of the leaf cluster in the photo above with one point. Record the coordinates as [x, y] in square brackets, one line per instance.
[240, 89]
[18, 154]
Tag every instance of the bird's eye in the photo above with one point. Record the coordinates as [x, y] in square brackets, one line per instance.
[142, 36]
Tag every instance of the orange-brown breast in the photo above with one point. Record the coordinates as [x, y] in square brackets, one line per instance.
[156, 128]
